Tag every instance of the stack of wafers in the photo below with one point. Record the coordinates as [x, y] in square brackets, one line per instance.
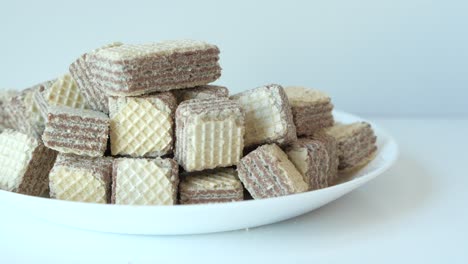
[127, 120]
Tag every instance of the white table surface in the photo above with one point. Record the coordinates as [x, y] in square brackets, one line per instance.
[416, 212]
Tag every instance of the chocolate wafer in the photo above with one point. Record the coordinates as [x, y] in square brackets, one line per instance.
[81, 179]
[267, 172]
[356, 144]
[331, 146]
[142, 126]
[311, 159]
[25, 164]
[200, 92]
[209, 134]
[77, 131]
[154, 67]
[312, 109]
[268, 117]
[97, 99]
[144, 181]
[218, 186]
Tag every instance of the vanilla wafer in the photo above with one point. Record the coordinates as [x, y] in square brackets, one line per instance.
[144, 181]
[5, 121]
[311, 109]
[81, 179]
[154, 67]
[77, 131]
[25, 164]
[209, 134]
[142, 126]
[267, 172]
[268, 117]
[216, 186]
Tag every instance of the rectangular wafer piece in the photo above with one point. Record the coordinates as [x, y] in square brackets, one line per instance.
[77, 131]
[217, 186]
[268, 117]
[331, 145]
[142, 126]
[200, 92]
[24, 164]
[145, 181]
[97, 99]
[129, 70]
[311, 159]
[81, 179]
[267, 172]
[311, 109]
[356, 144]
[209, 134]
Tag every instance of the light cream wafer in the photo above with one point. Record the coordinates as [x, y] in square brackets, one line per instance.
[76, 131]
[312, 109]
[267, 172]
[142, 126]
[81, 179]
[209, 134]
[311, 159]
[97, 99]
[129, 70]
[356, 144]
[24, 164]
[144, 181]
[268, 117]
[200, 92]
[216, 186]
[5, 96]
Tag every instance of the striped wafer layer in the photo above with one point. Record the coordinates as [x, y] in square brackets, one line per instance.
[82, 179]
[267, 172]
[216, 186]
[77, 131]
[200, 92]
[209, 134]
[139, 69]
[25, 164]
[268, 117]
[332, 151]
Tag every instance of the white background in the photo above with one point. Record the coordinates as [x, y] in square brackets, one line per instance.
[391, 58]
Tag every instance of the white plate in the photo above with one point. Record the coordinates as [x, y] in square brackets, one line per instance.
[197, 219]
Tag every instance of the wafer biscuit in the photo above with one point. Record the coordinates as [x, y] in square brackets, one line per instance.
[142, 126]
[267, 172]
[5, 96]
[218, 186]
[81, 179]
[96, 98]
[77, 131]
[209, 134]
[311, 159]
[356, 144]
[144, 181]
[140, 69]
[268, 117]
[312, 109]
[200, 92]
[25, 164]
[332, 150]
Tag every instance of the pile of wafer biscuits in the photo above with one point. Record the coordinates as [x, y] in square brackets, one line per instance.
[142, 125]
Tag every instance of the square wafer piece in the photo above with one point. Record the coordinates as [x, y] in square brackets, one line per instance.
[142, 126]
[267, 172]
[63, 92]
[97, 99]
[209, 134]
[356, 144]
[312, 109]
[78, 131]
[145, 181]
[268, 117]
[311, 159]
[200, 92]
[129, 70]
[218, 186]
[81, 179]
[24, 164]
